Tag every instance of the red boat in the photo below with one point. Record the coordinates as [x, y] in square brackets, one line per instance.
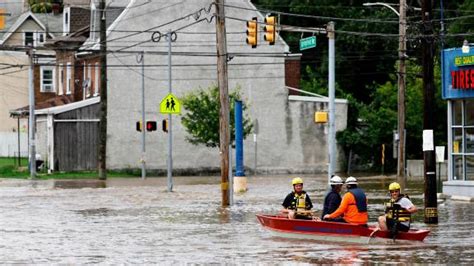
[332, 231]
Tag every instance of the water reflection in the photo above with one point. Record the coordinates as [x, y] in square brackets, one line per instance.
[131, 224]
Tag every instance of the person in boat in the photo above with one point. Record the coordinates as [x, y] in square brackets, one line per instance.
[297, 204]
[333, 197]
[397, 211]
[353, 205]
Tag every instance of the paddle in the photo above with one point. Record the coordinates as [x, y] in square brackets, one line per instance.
[394, 229]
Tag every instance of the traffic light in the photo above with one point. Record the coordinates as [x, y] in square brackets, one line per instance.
[164, 125]
[270, 29]
[139, 126]
[151, 125]
[252, 32]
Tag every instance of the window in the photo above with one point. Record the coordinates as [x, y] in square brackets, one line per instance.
[89, 77]
[28, 38]
[93, 21]
[462, 139]
[68, 78]
[39, 38]
[96, 80]
[47, 79]
[67, 20]
[61, 79]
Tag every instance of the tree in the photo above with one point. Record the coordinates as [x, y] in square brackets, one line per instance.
[40, 6]
[201, 119]
[377, 120]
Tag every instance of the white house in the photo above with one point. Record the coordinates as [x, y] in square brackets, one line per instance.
[288, 140]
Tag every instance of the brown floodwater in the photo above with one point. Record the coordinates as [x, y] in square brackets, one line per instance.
[132, 221]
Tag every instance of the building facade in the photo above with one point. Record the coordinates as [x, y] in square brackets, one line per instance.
[287, 139]
[458, 90]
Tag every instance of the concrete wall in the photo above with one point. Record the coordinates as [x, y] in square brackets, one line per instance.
[415, 169]
[459, 188]
[13, 88]
[287, 140]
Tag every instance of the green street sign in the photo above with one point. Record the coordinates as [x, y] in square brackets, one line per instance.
[307, 43]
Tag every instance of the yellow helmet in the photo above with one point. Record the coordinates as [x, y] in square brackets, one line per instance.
[297, 180]
[394, 186]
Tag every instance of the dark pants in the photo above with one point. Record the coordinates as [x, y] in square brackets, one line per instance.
[400, 227]
[337, 220]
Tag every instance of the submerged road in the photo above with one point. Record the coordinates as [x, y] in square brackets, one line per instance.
[131, 221]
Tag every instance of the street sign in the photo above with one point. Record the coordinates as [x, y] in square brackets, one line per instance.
[307, 43]
[170, 105]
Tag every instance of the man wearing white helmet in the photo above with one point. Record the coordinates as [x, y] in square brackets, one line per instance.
[353, 205]
[333, 198]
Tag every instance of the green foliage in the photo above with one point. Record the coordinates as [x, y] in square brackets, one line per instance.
[201, 119]
[377, 120]
[40, 6]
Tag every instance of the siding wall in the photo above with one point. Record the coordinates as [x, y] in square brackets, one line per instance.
[76, 143]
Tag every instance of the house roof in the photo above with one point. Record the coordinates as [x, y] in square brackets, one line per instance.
[71, 41]
[53, 22]
[68, 107]
[56, 105]
[49, 22]
[114, 12]
[15, 10]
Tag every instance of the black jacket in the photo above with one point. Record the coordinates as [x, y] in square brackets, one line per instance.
[331, 202]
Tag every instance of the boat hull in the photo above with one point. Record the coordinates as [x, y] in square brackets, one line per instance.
[334, 232]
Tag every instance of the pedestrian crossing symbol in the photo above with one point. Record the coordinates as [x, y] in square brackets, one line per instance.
[170, 105]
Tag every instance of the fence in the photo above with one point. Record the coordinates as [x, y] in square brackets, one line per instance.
[9, 144]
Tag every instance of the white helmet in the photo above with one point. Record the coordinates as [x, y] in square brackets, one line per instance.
[351, 181]
[336, 180]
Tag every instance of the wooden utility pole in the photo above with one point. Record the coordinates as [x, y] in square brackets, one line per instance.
[103, 94]
[431, 204]
[401, 93]
[224, 131]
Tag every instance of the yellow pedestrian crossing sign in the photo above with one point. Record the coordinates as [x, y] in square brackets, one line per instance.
[170, 105]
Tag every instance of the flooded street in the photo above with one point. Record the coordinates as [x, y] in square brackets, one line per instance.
[128, 222]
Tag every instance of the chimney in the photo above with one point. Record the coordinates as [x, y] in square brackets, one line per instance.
[56, 8]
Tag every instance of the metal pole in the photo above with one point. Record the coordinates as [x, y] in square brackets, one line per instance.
[332, 94]
[431, 201]
[401, 94]
[231, 178]
[255, 133]
[170, 129]
[224, 131]
[142, 58]
[31, 120]
[239, 142]
[19, 147]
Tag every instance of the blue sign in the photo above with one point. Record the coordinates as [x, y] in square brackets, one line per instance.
[457, 73]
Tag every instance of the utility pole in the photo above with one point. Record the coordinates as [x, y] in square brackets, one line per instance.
[142, 60]
[332, 95]
[431, 208]
[401, 94]
[32, 118]
[170, 125]
[103, 95]
[224, 131]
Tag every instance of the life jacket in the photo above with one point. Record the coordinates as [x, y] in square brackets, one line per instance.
[360, 198]
[401, 214]
[299, 201]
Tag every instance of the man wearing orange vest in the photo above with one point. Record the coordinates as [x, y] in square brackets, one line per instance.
[353, 205]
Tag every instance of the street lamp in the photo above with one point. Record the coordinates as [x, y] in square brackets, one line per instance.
[383, 4]
[465, 47]
[401, 85]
